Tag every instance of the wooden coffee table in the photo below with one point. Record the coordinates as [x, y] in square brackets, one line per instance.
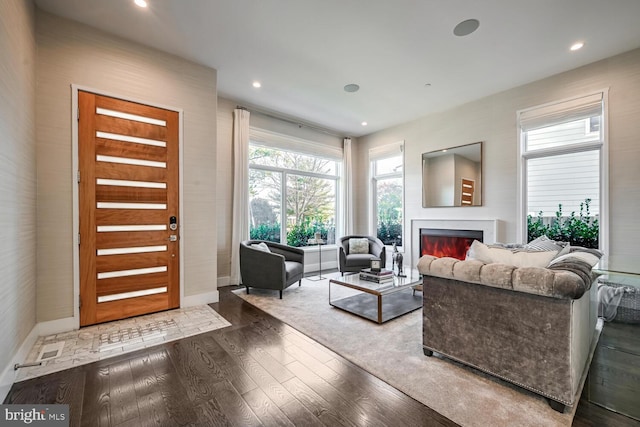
[377, 302]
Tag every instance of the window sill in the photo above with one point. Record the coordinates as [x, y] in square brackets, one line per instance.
[314, 248]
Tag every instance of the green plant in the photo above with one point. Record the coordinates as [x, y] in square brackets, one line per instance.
[268, 232]
[390, 232]
[300, 234]
[581, 230]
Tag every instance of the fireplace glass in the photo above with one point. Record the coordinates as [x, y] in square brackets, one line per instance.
[447, 243]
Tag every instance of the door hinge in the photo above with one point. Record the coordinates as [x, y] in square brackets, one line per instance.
[78, 176]
[78, 239]
[79, 302]
[78, 114]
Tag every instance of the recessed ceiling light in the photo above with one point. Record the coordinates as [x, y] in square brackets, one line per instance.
[140, 3]
[467, 27]
[351, 87]
[577, 46]
[257, 84]
[364, 123]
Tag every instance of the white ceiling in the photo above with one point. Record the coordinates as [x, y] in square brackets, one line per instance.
[305, 51]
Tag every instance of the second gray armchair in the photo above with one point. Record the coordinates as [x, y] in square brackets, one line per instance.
[354, 261]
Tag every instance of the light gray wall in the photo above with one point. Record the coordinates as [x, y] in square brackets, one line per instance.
[225, 185]
[17, 176]
[493, 120]
[72, 53]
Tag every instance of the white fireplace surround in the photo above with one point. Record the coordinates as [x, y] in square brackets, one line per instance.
[489, 228]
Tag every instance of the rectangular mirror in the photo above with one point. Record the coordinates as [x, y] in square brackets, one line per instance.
[453, 176]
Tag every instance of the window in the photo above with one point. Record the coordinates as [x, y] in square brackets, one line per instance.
[561, 170]
[387, 164]
[292, 195]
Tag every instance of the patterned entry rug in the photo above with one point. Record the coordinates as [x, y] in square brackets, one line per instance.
[393, 352]
[69, 349]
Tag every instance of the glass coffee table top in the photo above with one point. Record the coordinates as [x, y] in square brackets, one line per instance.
[353, 281]
[378, 302]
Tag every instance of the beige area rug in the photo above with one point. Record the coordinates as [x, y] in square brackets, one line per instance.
[393, 352]
[74, 348]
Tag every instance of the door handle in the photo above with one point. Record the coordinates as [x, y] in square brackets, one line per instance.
[172, 238]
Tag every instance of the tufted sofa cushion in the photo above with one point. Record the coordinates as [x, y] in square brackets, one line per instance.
[548, 282]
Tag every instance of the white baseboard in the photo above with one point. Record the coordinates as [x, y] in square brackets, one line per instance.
[9, 373]
[224, 281]
[199, 299]
[58, 326]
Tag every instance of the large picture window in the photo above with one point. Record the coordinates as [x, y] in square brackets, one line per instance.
[562, 163]
[292, 195]
[387, 166]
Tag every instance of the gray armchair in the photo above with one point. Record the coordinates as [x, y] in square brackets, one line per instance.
[355, 262]
[277, 269]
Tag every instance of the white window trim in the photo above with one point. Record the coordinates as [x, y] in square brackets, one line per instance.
[379, 153]
[286, 143]
[281, 141]
[603, 146]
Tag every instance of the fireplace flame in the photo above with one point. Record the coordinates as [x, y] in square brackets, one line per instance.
[445, 246]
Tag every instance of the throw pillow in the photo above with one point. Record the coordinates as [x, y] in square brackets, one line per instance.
[543, 243]
[262, 246]
[488, 255]
[359, 246]
[588, 257]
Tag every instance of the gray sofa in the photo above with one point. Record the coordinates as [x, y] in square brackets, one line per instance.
[534, 327]
[277, 269]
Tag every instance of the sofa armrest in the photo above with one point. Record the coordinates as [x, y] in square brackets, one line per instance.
[342, 257]
[290, 253]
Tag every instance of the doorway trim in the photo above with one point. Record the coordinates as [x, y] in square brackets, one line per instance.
[76, 194]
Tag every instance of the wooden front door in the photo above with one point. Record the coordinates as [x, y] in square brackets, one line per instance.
[467, 192]
[129, 210]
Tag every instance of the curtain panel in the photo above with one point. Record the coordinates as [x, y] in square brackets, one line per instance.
[240, 219]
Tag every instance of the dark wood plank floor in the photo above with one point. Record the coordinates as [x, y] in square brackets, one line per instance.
[257, 372]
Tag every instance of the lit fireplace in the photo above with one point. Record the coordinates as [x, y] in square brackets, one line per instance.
[451, 243]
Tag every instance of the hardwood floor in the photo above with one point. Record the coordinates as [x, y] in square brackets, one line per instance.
[257, 372]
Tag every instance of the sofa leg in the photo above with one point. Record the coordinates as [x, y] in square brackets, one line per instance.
[557, 406]
[426, 352]
[280, 294]
[300, 282]
[247, 290]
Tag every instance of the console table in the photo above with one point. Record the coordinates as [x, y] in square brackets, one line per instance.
[318, 242]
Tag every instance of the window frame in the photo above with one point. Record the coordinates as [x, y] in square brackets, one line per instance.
[285, 172]
[380, 153]
[601, 145]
